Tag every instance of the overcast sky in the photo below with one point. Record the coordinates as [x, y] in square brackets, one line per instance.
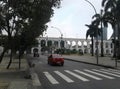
[71, 18]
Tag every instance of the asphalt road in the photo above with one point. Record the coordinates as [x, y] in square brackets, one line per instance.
[74, 75]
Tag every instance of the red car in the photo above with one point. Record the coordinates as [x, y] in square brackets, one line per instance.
[55, 59]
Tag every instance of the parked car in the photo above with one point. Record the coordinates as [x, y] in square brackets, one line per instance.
[54, 59]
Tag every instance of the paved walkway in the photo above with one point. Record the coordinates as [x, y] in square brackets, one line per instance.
[13, 78]
[102, 61]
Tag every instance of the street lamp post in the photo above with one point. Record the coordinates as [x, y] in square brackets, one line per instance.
[92, 6]
[97, 30]
[58, 30]
[102, 52]
[60, 34]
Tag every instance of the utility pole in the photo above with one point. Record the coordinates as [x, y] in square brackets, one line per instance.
[102, 54]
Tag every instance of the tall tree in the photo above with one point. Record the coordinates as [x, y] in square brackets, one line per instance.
[100, 20]
[89, 32]
[93, 31]
[112, 11]
[25, 19]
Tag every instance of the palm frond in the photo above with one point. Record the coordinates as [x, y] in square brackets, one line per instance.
[96, 16]
[87, 34]
[103, 3]
[87, 25]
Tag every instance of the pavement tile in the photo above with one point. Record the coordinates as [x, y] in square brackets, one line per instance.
[13, 78]
[18, 85]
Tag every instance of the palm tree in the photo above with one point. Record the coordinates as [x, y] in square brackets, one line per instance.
[98, 20]
[112, 15]
[110, 18]
[92, 31]
[89, 32]
[101, 20]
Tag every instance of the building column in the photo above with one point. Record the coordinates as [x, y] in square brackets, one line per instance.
[82, 46]
[76, 45]
[103, 47]
[64, 43]
[46, 42]
[99, 47]
[70, 44]
[59, 44]
[94, 46]
[88, 47]
[109, 47]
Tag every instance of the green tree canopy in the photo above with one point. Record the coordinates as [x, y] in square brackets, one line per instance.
[25, 19]
[22, 21]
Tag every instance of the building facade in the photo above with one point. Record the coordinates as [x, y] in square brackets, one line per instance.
[74, 43]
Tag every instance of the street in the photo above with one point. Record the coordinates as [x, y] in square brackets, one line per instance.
[73, 75]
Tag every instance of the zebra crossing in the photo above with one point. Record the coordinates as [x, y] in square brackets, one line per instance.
[85, 75]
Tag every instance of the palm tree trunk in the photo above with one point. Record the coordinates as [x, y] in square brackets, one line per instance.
[92, 46]
[118, 51]
[114, 54]
[102, 54]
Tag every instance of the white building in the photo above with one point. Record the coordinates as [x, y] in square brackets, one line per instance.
[76, 43]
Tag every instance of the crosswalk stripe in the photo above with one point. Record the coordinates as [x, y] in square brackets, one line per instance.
[51, 78]
[76, 75]
[89, 75]
[92, 73]
[111, 71]
[107, 73]
[109, 77]
[67, 79]
[114, 70]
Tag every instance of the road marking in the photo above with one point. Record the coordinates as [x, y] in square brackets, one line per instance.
[67, 79]
[114, 70]
[107, 73]
[35, 79]
[109, 77]
[111, 71]
[51, 78]
[89, 75]
[76, 75]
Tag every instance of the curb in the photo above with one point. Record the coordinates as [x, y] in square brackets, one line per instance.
[106, 66]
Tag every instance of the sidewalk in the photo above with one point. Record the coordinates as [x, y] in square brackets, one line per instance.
[13, 78]
[102, 61]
